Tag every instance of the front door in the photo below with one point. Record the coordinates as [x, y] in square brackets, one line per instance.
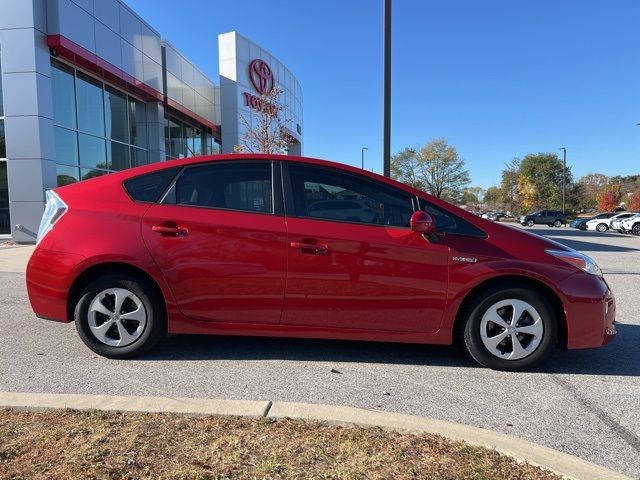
[219, 243]
[353, 261]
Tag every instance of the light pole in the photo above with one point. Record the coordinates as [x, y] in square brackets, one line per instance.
[362, 156]
[564, 173]
[386, 142]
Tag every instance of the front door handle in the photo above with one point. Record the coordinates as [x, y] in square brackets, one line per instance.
[312, 248]
[170, 231]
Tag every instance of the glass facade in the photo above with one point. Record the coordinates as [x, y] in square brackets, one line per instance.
[98, 129]
[5, 223]
[183, 140]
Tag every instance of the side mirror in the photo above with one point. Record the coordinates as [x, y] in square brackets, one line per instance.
[422, 222]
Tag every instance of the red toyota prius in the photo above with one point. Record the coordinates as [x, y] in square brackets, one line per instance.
[272, 245]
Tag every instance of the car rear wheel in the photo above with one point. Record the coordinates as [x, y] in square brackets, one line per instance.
[602, 227]
[510, 329]
[557, 223]
[583, 226]
[530, 223]
[120, 316]
[636, 229]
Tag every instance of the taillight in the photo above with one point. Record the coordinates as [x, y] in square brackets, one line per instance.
[53, 211]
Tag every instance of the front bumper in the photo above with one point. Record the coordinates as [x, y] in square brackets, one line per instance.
[49, 277]
[590, 309]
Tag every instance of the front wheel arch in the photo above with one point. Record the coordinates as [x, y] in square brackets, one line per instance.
[110, 268]
[510, 281]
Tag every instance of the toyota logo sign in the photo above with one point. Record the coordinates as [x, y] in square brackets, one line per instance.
[261, 77]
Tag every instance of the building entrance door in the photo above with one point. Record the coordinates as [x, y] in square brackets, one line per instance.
[5, 224]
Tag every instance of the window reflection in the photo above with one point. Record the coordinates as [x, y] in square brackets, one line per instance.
[97, 126]
[184, 140]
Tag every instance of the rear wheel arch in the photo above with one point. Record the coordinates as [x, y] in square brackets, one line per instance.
[509, 281]
[96, 271]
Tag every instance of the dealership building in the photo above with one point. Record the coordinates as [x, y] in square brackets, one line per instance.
[87, 88]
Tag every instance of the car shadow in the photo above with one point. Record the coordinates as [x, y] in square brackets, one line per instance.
[592, 246]
[619, 358]
[573, 232]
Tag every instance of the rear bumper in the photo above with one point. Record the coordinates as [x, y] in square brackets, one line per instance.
[49, 277]
[590, 308]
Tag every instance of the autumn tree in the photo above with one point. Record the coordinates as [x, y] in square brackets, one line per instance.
[509, 185]
[267, 132]
[472, 196]
[494, 197]
[634, 202]
[591, 185]
[609, 198]
[435, 168]
[540, 178]
[405, 166]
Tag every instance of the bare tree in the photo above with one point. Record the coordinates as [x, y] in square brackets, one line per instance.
[267, 134]
[435, 168]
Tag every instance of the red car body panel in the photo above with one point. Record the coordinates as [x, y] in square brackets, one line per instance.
[238, 273]
[231, 269]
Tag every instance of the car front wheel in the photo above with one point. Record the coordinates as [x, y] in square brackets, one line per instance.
[636, 229]
[510, 329]
[120, 316]
[602, 227]
[530, 223]
[583, 226]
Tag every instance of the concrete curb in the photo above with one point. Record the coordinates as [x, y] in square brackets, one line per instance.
[562, 463]
[193, 406]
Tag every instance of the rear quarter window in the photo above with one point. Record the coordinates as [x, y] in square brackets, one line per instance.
[149, 187]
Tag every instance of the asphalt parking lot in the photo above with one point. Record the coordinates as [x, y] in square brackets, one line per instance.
[586, 403]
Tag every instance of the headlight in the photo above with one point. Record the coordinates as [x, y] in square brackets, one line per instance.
[577, 259]
[53, 210]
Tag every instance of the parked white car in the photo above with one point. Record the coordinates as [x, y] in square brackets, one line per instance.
[604, 224]
[632, 225]
[616, 223]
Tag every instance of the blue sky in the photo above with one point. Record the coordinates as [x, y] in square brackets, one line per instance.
[497, 78]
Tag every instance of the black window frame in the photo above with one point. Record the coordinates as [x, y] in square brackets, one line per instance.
[474, 231]
[289, 205]
[277, 202]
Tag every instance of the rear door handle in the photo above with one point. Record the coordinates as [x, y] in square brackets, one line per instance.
[313, 248]
[170, 231]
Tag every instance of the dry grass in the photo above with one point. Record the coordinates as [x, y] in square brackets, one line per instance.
[77, 445]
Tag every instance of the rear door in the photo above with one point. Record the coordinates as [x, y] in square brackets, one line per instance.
[219, 238]
[361, 267]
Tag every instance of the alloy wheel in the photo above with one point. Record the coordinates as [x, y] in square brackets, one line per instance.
[511, 329]
[117, 317]
[601, 227]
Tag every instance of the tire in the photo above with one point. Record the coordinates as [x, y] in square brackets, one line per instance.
[557, 223]
[602, 227]
[125, 337]
[530, 223]
[502, 299]
[583, 226]
[636, 229]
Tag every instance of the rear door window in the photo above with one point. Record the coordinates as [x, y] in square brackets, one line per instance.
[238, 186]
